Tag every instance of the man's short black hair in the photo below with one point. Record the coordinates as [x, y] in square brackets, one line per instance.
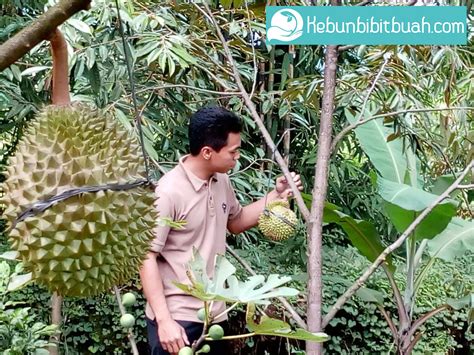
[210, 126]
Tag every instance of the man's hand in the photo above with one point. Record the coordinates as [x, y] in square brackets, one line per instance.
[172, 336]
[283, 187]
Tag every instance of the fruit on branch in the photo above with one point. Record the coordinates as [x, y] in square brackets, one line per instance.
[277, 222]
[186, 351]
[84, 244]
[205, 349]
[128, 299]
[201, 314]
[127, 320]
[216, 332]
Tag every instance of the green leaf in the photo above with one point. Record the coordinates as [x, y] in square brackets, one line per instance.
[404, 203]
[364, 236]
[329, 212]
[455, 240]
[255, 289]
[277, 327]
[457, 304]
[181, 52]
[387, 157]
[33, 70]
[18, 281]
[79, 25]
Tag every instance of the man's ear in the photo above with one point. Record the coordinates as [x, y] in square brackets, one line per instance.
[206, 152]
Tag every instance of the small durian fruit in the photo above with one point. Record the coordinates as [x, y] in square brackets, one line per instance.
[216, 332]
[86, 243]
[186, 351]
[277, 222]
[127, 320]
[129, 299]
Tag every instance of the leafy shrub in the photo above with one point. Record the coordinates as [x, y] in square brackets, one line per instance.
[20, 330]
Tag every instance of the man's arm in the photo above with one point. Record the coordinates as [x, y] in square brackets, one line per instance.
[60, 95]
[248, 218]
[172, 336]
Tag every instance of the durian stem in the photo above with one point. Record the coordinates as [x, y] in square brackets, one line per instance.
[233, 337]
[131, 337]
[227, 310]
[56, 318]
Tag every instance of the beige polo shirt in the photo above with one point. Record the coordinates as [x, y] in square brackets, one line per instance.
[206, 206]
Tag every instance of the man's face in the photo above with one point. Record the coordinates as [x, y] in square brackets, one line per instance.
[227, 157]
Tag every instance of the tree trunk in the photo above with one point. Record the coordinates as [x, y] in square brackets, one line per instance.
[56, 318]
[315, 225]
[39, 30]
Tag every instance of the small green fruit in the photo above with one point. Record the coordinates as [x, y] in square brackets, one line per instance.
[186, 351]
[201, 314]
[127, 320]
[205, 349]
[216, 332]
[128, 299]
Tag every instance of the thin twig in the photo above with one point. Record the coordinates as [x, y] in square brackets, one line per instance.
[254, 56]
[251, 108]
[283, 301]
[381, 258]
[372, 87]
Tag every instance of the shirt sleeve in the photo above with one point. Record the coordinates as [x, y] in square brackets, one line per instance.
[165, 208]
[235, 208]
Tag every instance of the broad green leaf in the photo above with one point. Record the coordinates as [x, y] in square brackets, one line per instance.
[404, 203]
[455, 240]
[329, 213]
[364, 236]
[18, 281]
[444, 181]
[387, 157]
[277, 327]
[255, 289]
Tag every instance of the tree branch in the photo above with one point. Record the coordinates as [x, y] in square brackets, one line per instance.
[381, 258]
[315, 225]
[345, 131]
[283, 301]
[39, 30]
[253, 111]
[56, 318]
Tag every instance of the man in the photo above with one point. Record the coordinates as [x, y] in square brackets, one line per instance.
[198, 191]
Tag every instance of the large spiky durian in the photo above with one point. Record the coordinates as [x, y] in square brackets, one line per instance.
[86, 243]
[277, 222]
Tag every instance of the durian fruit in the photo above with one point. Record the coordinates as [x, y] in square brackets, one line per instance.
[86, 243]
[277, 222]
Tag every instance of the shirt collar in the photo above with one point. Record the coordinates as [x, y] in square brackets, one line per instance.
[193, 179]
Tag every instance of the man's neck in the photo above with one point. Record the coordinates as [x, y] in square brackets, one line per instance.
[198, 167]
